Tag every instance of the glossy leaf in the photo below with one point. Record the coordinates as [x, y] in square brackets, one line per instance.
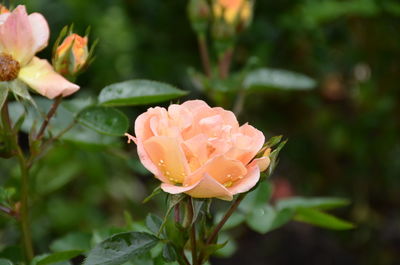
[65, 115]
[138, 92]
[59, 256]
[265, 78]
[318, 218]
[320, 203]
[104, 120]
[120, 248]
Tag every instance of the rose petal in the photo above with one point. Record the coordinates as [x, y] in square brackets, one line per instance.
[208, 187]
[166, 154]
[40, 31]
[3, 17]
[249, 181]
[41, 77]
[16, 38]
[247, 143]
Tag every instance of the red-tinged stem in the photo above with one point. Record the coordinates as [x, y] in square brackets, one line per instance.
[204, 54]
[48, 117]
[225, 63]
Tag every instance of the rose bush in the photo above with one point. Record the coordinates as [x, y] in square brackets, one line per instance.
[198, 150]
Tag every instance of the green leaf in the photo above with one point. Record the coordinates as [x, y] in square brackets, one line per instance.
[59, 256]
[3, 94]
[21, 91]
[155, 192]
[230, 247]
[138, 92]
[273, 141]
[5, 262]
[65, 115]
[173, 200]
[153, 222]
[274, 157]
[318, 218]
[104, 120]
[197, 204]
[319, 203]
[6, 195]
[264, 79]
[72, 241]
[266, 218]
[169, 253]
[120, 248]
[236, 219]
[257, 198]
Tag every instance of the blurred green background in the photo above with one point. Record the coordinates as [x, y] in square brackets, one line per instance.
[343, 136]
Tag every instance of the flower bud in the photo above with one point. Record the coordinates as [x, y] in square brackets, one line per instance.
[72, 55]
[264, 161]
[199, 15]
[236, 13]
[3, 9]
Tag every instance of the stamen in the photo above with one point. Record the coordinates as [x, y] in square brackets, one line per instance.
[9, 68]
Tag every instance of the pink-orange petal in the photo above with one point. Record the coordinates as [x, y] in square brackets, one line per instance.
[41, 77]
[167, 155]
[40, 31]
[249, 181]
[208, 187]
[16, 37]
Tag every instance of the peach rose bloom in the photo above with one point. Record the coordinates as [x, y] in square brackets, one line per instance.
[198, 150]
[21, 37]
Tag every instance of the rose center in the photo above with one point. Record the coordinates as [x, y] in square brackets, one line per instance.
[9, 68]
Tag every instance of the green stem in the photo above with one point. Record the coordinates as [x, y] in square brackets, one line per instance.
[192, 228]
[24, 210]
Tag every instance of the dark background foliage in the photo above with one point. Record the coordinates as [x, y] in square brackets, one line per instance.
[343, 136]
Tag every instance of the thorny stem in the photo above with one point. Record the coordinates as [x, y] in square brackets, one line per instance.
[24, 210]
[204, 54]
[48, 117]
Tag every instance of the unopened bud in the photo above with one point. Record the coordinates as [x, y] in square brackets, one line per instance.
[264, 161]
[72, 55]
